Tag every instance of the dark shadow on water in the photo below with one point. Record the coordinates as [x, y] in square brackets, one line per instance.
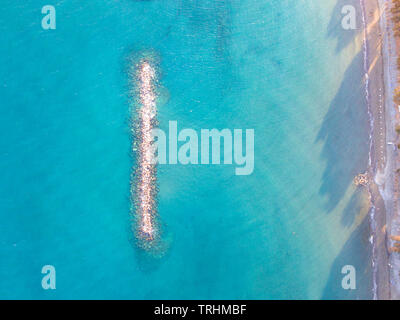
[355, 252]
[335, 29]
[345, 133]
[353, 208]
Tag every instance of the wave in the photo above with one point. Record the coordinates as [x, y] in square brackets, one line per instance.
[371, 145]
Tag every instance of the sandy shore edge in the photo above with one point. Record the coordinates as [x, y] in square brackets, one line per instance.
[375, 93]
[390, 188]
[381, 81]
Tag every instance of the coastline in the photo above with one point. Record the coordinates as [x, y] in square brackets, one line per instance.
[390, 188]
[375, 92]
[380, 83]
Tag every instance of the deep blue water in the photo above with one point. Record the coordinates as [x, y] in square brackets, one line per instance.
[283, 68]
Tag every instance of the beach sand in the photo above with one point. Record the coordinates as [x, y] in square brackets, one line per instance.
[382, 80]
[376, 93]
[390, 189]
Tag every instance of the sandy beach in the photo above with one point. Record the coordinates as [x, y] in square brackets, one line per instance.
[390, 188]
[375, 93]
[381, 81]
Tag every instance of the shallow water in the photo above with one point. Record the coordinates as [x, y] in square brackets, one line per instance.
[283, 68]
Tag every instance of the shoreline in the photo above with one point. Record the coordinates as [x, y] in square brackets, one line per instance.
[375, 93]
[380, 83]
[391, 188]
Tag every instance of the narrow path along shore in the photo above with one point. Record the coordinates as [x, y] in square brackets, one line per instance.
[390, 188]
[375, 93]
[381, 81]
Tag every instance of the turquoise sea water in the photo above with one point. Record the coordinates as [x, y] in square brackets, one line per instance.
[283, 68]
